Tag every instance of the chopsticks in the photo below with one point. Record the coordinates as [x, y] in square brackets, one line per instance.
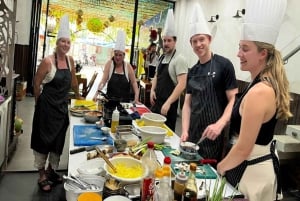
[106, 159]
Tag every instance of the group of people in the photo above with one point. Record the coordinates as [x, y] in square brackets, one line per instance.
[212, 102]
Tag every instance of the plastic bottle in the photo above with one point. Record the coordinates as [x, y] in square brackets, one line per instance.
[167, 169]
[115, 120]
[179, 185]
[190, 192]
[148, 183]
[164, 191]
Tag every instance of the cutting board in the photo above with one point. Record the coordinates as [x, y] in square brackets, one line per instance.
[202, 172]
[166, 151]
[83, 135]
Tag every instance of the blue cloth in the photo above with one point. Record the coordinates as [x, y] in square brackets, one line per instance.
[83, 135]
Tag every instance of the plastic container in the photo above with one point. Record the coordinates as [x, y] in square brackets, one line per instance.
[153, 119]
[89, 196]
[157, 134]
[72, 195]
[115, 120]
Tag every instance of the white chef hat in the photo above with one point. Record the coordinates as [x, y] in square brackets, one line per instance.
[120, 41]
[169, 28]
[198, 23]
[64, 29]
[262, 20]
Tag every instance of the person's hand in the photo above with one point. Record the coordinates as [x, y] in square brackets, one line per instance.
[184, 136]
[137, 102]
[220, 170]
[152, 97]
[95, 97]
[212, 131]
[164, 109]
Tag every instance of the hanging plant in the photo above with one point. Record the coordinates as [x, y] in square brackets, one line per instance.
[95, 25]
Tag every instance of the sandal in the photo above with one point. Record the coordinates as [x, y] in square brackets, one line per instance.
[43, 184]
[54, 177]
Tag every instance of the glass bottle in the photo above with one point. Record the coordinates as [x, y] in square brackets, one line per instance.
[179, 185]
[190, 192]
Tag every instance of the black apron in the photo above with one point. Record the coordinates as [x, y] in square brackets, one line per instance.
[205, 110]
[118, 87]
[51, 117]
[164, 88]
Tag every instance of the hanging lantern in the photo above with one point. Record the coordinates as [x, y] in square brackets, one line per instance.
[111, 18]
[95, 25]
[51, 24]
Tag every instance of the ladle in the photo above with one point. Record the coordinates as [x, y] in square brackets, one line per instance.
[106, 159]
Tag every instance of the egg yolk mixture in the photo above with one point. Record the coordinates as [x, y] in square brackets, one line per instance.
[125, 171]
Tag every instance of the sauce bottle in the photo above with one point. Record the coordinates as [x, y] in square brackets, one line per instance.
[115, 120]
[179, 185]
[190, 192]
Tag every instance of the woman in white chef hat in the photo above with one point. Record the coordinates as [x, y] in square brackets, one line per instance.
[266, 100]
[119, 75]
[53, 80]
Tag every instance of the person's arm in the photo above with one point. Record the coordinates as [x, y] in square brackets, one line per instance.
[214, 130]
[40, 75]
[181, 79]
[253, 116]
[74, 82]
[133, 83]
[104, 78]
[152, 92]
[186, 113]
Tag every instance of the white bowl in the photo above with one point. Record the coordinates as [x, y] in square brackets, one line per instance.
[117, 198]
[153, 119]
[128, 162]
[71, 195]
[155, 133]
[105, 130]
[91, 167]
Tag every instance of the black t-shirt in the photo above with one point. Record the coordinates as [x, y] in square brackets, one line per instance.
[224, 76]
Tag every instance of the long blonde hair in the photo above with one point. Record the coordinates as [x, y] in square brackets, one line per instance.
[274, 72]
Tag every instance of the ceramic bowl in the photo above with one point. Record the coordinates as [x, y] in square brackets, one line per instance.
[105, 130]
[153, 119]
[92, 116]
[128, 163]
[189, 150]
[154, 133]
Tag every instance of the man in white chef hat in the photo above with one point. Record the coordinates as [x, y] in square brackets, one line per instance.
[170, 77]
[210, 91]
[53, 80]
[265, 100]
[119, 75]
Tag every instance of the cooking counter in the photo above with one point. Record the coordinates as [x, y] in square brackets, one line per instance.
[75, 160]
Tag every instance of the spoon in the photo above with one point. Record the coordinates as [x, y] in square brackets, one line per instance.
[99, 138]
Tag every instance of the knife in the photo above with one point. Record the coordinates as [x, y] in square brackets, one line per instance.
[81, 149]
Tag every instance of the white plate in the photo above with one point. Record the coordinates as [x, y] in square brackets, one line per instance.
[117, 198]
[91, 167]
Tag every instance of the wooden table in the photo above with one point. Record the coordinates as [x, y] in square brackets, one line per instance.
[145, 88]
